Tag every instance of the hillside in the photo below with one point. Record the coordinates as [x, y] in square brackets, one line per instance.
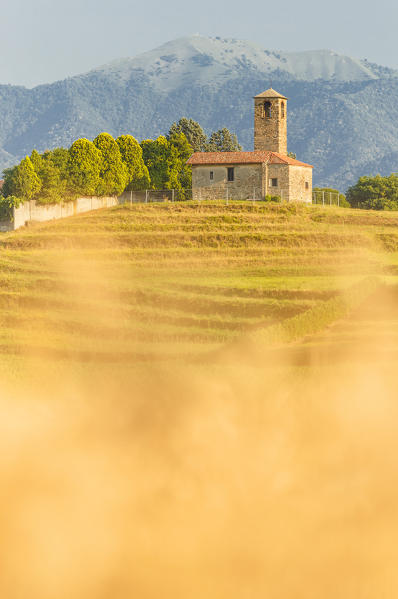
[172, 281]
[343, 112]
[193, 389]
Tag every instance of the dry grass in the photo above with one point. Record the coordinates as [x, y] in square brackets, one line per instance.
[138, 462]
[128, 280]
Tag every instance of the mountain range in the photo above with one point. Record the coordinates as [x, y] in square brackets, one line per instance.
[343, 112]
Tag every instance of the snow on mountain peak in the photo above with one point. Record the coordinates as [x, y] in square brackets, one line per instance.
[213, 59]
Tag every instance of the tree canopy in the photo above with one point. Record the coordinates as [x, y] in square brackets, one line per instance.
[21, 180]
[84, 167]
[181, 171]
[194, 133]
[219, 141]
[113, 175]
[51, 168]
[377, 193]
[137, 172]
[223, 141]
[106, 166]
[166, 161]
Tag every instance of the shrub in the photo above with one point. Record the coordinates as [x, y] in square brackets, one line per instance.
[7, 204]
[270, 198]
[378, 204]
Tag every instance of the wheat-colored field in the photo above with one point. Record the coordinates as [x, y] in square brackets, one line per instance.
[199, 400]
[163, 282]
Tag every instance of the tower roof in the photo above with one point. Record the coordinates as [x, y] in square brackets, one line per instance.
[271, 93]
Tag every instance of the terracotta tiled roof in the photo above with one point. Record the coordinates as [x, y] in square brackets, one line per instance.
[282, 159]
[271, 93]
[257, 157]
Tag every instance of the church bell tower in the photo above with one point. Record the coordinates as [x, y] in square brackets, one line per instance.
[270, 127]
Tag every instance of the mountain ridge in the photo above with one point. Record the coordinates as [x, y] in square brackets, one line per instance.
[342, 111]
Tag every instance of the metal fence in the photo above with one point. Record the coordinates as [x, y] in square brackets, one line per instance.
[326, 198]
[237, 194]
[200, 194]
[155, 195]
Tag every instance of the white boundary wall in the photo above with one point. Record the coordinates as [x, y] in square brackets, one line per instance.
[31, 211]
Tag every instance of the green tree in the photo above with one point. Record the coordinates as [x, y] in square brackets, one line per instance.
[84, 165]
[8, 185]
[181, 172]
[223, 141]
[377, 193]
[160, 158]
[36, 161]
[194, 133]
[21, 181]
[52, 170]
[166, 161]
[59, 157]
[137, 172]
[113, 171]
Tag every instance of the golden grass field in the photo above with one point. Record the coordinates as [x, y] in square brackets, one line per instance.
[160, 282]
[199, 400]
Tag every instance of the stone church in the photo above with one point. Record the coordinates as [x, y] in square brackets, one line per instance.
[252, 175]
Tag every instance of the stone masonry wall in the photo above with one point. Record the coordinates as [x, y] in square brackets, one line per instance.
[298, 177]
[281, 173]
[252, 181]
[248, 182]
[270, 132]
[291, 182]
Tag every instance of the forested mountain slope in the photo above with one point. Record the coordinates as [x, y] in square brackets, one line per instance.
[343, 113]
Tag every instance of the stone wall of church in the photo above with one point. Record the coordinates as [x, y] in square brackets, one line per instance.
[252, 181]
[247, 184]
[300, 184]
[279, 174]
[294, 183]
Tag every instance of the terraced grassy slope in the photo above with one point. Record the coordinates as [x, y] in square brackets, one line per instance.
[160, 419]
[178, 281]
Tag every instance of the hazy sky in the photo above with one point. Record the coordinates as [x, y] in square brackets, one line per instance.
[46, 40]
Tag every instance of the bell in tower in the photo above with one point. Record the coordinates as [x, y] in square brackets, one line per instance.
[270, 127]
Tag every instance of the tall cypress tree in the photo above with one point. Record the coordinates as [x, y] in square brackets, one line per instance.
[113, 172]
[84, 164]
[131, 153]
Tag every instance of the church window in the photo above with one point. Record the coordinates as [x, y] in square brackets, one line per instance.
[274, 182]
[283, 110]
[211, 175]
[231, 174]
[307, 185]
[267, 109]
